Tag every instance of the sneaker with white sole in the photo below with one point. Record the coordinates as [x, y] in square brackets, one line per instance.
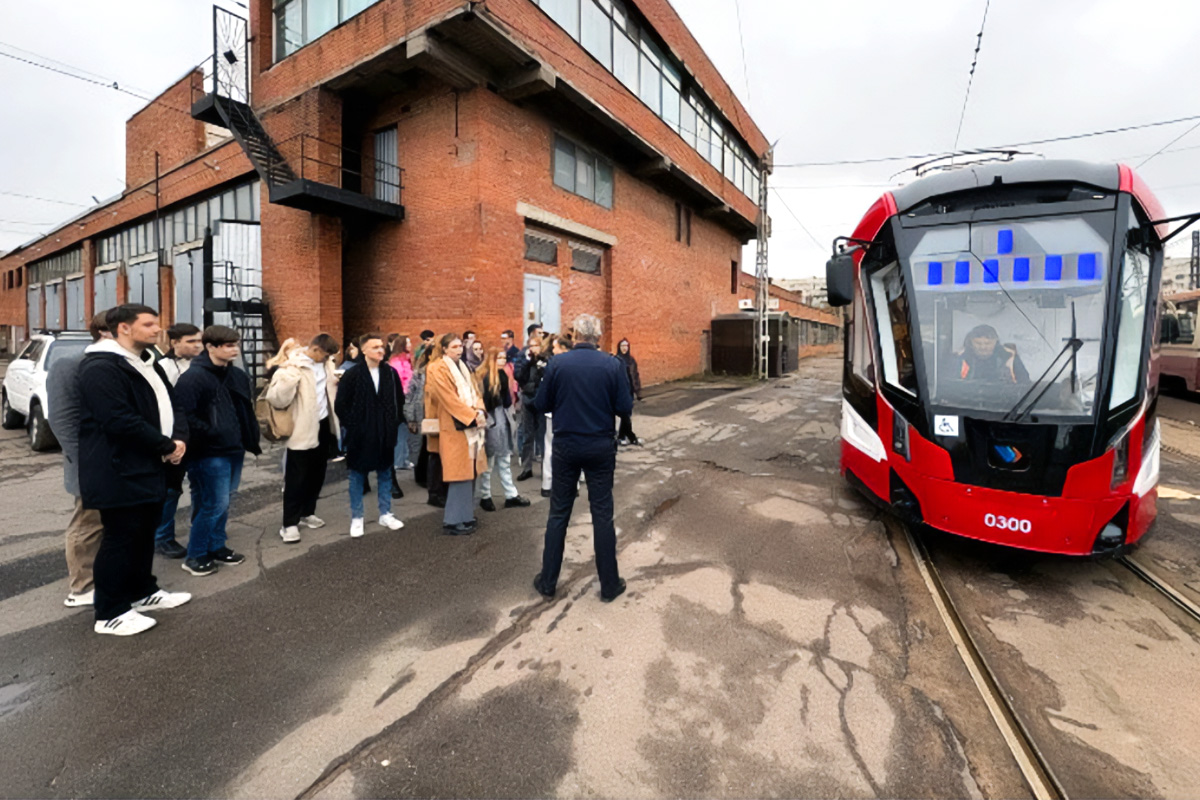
[79, 600]
[290, 534]
[312, 521]
[356, 527]
[162, 599]
[390, 522]
[128, 624]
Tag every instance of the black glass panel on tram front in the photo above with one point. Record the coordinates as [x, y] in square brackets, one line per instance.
[1008, 307]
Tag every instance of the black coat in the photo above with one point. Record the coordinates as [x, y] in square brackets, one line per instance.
[631, 371]
[370, 418]
[121, 445]
[219, 410]
[529, 373]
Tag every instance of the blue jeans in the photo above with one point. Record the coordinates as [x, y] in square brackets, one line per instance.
[400, 454]
[214, 480]
[166, 527]
[383, 490]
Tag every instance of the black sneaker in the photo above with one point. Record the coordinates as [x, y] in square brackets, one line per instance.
[537, 584]
[526, 475]
[199, 568]
[461, 529]
[608, 598]
[170, 549]
[226, 556]
[545, 492]
[487, 505]
[516, 502]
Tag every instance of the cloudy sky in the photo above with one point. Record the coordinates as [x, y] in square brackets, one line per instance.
[845, 81]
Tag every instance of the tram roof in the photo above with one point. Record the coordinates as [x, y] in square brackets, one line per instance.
[1101, 176]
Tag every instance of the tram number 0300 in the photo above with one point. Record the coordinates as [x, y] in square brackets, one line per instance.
[1008, 523]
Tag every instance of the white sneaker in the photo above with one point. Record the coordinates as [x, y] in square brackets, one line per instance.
[312, 521]
[356, 527]
[79, 600]
[290, 534]
[161, 599]
[390, 522]
[128, 624]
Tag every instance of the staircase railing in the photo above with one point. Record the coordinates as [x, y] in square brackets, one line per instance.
[333, 164]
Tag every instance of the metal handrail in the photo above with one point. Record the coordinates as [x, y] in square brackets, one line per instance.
[367, 171]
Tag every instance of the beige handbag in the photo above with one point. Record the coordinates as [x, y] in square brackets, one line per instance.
[430, 426]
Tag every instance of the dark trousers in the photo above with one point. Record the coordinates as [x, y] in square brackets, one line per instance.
[626, 431]
[433, 479]
[596, 457]
[304, 475]
[123, 570]
[532, 433]
[421, 467]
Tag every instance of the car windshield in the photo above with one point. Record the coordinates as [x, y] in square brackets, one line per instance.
[1000, 305]
[65, 348]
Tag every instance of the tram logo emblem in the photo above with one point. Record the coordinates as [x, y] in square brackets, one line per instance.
[945, 424]
[1008, 454]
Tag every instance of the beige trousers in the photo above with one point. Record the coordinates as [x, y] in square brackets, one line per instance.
[83, 540]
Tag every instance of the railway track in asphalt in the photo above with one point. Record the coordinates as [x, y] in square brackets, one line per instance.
[1029, 757]
[1148, 576]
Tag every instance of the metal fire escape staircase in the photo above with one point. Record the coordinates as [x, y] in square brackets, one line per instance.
[302, 172]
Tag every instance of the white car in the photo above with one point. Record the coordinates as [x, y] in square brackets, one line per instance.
[24, 395]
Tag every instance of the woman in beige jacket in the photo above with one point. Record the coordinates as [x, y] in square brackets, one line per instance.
[450, 397]
[305, 384]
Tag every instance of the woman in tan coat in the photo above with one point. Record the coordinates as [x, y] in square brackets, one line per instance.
[450, 398]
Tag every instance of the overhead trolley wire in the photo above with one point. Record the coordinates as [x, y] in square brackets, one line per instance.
[971, 78]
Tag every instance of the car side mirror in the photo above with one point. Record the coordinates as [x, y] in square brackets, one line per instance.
[839, 279]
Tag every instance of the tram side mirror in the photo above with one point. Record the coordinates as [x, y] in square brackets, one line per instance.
[839, 279]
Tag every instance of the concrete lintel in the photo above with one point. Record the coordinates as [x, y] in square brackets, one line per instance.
[528, 82]
[659, 165]
[716, 210]
[552, 220]
[446, 61]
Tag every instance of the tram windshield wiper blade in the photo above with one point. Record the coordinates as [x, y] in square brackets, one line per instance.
[1073, 344]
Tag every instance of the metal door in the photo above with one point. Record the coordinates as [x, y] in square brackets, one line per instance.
[387, 171]
[54, 306]
[75, 320]
[143, 283]
[104, 288]
[34, 306]
[189, 287]
[543, 304]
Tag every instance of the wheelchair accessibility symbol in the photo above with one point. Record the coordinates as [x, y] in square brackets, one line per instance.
[945, 425]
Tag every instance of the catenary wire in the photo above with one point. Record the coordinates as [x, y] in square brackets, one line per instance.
[798, 222]
[971, 78]
[1163, 149]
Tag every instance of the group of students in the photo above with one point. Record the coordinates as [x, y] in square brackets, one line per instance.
[144, 423]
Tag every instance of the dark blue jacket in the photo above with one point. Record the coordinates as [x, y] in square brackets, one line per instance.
[585, 390]
[121, 445]
[219, 410]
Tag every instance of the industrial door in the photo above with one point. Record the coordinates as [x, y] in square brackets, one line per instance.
[543, 304]
[189, 287]
[75, 320]
[143, 283]
[104, 290]
[54, 306]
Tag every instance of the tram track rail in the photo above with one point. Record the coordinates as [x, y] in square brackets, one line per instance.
[1030, 759]
[1152, 579]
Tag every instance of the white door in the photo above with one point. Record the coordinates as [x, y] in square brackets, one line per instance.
[543, 304]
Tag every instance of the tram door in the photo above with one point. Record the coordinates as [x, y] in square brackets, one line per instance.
[543, 304]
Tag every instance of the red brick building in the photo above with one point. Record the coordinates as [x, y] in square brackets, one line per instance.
[406, 164]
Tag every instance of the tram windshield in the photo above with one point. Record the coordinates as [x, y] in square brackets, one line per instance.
[1011, 313]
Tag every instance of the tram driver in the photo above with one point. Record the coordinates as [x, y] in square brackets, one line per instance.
[983, 359]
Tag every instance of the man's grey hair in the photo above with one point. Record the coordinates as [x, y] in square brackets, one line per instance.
[587, 329]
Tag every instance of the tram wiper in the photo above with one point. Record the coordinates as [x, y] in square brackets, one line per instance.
[1072, 346]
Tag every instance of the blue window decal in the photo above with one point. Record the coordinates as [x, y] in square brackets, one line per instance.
[1021, 270]
[991, 270]
[935, 273]
[1087, 266]
[962, 271]
[1004, 241]
[1054, 268]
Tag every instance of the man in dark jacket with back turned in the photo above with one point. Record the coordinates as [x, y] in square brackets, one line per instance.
[585, 390]
[215, 397]
[129, 429]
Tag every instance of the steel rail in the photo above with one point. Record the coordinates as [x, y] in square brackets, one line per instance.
[1149, 577]
[1029, 758]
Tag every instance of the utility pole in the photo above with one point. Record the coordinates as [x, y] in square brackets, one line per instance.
[1194, 278]
[762, 281]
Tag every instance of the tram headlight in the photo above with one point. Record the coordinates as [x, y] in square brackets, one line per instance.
[1120, 470]
[1147, 477]
[900, 436]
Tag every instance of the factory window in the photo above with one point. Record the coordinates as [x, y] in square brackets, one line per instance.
[541, 247]
[580, 171]
[607, 32]
[298, 22]
[683, 224]
[585, 258]
[734, 269]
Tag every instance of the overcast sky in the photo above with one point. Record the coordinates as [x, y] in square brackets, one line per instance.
[855, 79]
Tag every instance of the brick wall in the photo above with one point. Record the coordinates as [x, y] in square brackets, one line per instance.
[164, 126]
